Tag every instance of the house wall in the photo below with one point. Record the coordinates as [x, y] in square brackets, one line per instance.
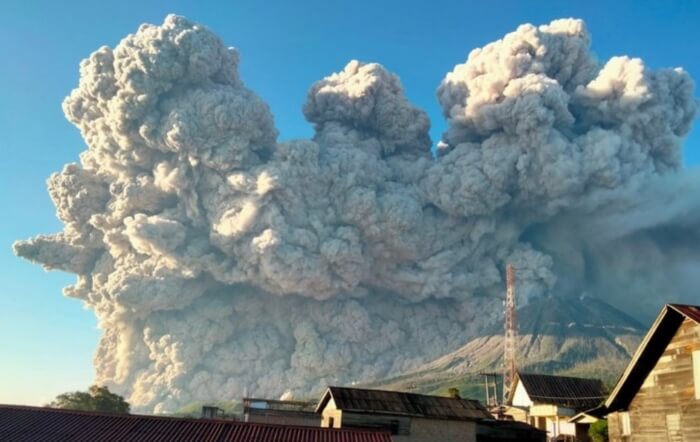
[397, 424]
[331, 411]
[283, 418]
[410, 429]
[665, 407]
[550, 418]
[615, 428]
[520, 396]
[433, 430]
[557, 425]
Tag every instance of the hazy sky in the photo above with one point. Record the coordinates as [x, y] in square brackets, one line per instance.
[46, 341]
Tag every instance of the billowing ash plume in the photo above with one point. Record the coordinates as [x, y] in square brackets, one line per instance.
[220, 261]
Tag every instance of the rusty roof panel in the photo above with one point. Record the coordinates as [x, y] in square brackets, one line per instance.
[689, 311]
[21, 423]
[409, 404]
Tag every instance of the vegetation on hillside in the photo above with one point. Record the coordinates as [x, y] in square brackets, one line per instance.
[563, 336]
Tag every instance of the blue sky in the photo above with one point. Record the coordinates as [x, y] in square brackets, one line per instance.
[46, 340]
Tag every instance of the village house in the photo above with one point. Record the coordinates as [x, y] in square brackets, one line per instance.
[552, 403]
[417, 418]
[408, 416]
[658, 396]
[271, 411]
[583, 422]
[40, 424]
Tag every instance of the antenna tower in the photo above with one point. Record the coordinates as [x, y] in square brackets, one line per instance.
[510, 335]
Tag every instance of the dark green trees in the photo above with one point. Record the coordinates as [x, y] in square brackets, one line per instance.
[95, 399]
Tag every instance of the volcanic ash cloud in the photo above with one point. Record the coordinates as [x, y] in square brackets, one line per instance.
[220, 261]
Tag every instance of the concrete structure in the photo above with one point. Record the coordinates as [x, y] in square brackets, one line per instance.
[550, 402]
[270, 411]
[408, 416]
[418, 418]
[657, 399]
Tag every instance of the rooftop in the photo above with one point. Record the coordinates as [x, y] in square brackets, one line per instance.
[577, 393]
[361, 400]
[648, 353]
[51, 424]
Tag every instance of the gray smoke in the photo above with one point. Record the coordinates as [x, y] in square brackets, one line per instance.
[220, 261]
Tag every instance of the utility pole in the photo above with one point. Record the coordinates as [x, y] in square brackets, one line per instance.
[509, 366]
[491, 387]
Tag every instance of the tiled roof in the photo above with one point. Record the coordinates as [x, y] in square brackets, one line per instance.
[576, 393]
[20, 423]
[406, 404]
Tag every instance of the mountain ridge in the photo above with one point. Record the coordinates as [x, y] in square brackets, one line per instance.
[583, 336]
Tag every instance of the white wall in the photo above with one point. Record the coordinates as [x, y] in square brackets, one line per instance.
[331, 411]
[520, 397]
[696, 373]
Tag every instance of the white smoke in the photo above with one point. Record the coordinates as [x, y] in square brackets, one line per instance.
[220, 261]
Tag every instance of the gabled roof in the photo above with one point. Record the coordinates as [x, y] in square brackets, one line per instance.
[397, 403]
[50, 424]
[563, 391]
[648, 353]
[584, 418]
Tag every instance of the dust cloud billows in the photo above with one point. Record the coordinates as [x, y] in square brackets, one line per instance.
[219, 260]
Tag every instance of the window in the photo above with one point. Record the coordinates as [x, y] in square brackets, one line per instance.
[330, 422]
[625, 426]
[696, 372]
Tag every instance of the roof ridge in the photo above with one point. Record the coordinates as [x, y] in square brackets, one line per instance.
[690, 311]
[648, 352]
[403, 393]
[559, 376]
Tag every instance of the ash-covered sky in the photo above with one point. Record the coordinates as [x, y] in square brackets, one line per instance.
[340, 266]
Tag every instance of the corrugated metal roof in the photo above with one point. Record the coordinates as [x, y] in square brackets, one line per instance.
[20, 423]
[407, 404]
[577, 393]
[689, 311]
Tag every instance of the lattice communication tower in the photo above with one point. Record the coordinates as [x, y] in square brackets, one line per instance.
[511, 326]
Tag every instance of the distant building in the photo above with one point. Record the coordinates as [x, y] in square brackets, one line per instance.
[658, 396]
[281, 412]
[551, 402]
[417, 418]
[408, 416]
[213, 412]
[28, 424]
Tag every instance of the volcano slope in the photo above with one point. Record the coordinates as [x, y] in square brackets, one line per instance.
[583, 337]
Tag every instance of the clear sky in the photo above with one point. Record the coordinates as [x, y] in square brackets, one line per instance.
[46, 340]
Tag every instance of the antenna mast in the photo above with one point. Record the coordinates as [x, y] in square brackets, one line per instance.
[510, 335]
